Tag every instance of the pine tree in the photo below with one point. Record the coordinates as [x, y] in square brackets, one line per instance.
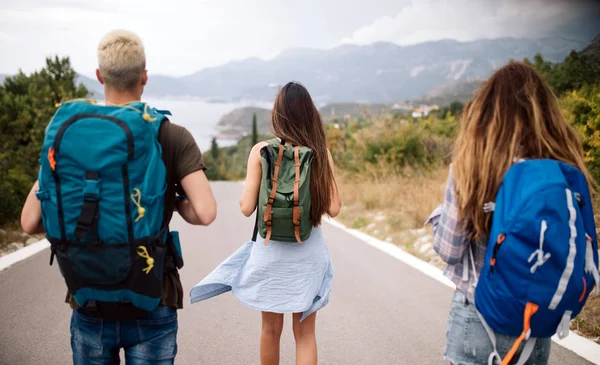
[214, 148]
[254, 130]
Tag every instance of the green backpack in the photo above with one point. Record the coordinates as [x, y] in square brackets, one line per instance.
[284, 199]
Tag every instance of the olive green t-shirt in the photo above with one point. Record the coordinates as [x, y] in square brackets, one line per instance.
[182, 157]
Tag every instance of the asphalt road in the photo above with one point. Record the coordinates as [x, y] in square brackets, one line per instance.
[381, 311]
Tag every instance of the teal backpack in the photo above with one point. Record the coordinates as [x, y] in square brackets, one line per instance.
[283, 212]
[102, 191]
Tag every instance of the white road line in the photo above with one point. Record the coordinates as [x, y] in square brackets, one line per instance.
[20, 255]
[583, 347]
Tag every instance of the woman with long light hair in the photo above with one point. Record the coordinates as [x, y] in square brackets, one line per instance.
[514, 116]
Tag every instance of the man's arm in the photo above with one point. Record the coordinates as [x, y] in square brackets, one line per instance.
[200, 206]
[31, 216]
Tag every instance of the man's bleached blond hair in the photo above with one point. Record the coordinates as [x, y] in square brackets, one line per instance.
[121, 59]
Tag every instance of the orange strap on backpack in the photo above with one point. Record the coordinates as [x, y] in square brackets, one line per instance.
[297, 195]
[530, 310]
[269, 209]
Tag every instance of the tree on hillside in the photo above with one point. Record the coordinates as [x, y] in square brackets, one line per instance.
[27, 103]
[582, 108]
[455, 108]
[214, 148]
[254, 130]
[577, 82]
[573, 73]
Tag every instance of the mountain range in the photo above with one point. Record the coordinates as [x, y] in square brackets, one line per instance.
[379, 72]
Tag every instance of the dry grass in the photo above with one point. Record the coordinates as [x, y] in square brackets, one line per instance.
[398, 201]
[12, 232]
[394, 207]
[588, 321]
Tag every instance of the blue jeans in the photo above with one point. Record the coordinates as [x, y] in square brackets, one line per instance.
[467, 342]
[150, 340]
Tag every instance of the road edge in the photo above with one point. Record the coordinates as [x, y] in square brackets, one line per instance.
[12, 258]
[581, 346]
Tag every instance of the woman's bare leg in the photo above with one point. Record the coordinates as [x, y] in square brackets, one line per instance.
[306, 340]
[272, 326]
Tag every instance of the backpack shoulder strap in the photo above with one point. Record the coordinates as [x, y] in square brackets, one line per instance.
[269, 209]
[296, 215]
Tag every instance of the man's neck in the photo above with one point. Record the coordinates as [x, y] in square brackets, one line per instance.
[114, 97]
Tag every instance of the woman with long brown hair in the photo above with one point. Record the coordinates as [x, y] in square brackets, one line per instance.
[514, 116]
[274, 276]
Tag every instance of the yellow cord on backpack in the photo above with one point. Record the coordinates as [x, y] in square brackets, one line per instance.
[88, 100]
[143, 252]
[147, 116]
[137, 198]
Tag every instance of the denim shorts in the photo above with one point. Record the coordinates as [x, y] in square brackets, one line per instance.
[148, 340]
[467, 342]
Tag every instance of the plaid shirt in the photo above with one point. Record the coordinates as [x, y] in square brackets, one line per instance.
[453, 246]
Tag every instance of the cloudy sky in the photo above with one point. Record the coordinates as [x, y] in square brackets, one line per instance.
[187, 35]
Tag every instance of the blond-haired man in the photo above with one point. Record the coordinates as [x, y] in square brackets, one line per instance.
[99, 328]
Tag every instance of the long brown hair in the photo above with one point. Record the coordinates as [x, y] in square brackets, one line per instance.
[513, 115]
[296, 119]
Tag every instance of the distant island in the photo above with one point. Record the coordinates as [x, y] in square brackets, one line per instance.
[237, 123]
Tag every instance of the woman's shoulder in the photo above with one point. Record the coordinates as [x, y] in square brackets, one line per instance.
[260, 145]
[255, 152]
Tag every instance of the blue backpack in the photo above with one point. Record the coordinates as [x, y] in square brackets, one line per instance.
[102, 191]
[541, 261]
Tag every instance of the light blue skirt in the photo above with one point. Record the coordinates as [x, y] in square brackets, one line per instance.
[281, 277]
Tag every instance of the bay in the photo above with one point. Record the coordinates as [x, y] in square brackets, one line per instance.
[200, 117]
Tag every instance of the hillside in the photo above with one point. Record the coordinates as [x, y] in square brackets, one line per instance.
[352, 110]
[452, 91]
[593, 49]
[380, 72]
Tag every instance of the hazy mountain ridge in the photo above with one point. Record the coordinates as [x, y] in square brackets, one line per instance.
[379, 72]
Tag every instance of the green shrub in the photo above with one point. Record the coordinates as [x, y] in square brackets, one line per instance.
[27, 103]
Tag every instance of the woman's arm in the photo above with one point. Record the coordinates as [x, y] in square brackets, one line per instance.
[336, 201]
[252, 185]
[448, 240]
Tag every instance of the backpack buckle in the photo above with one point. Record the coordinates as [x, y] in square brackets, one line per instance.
[580, 200]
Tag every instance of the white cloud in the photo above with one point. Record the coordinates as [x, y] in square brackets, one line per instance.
[428, 20]
[181, 36]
